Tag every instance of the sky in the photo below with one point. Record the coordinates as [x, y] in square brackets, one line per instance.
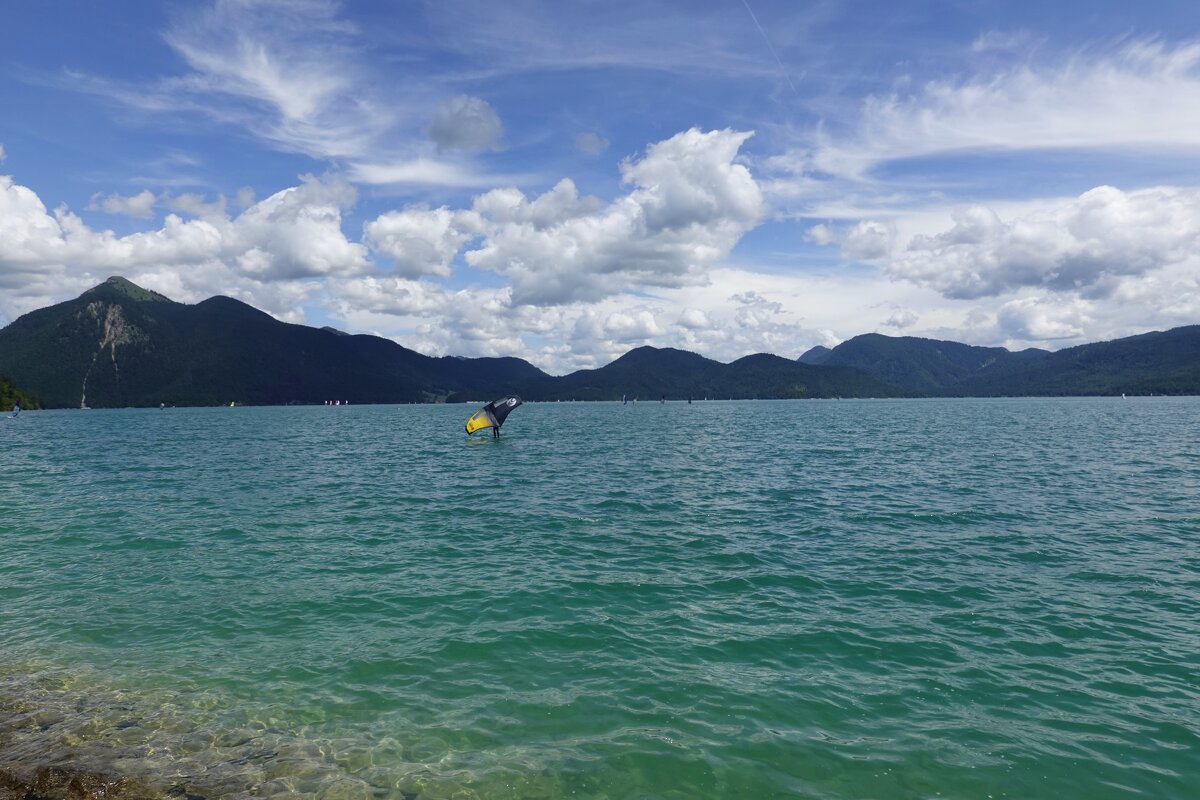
[564, 182]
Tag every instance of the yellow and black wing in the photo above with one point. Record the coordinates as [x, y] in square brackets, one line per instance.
[493, 414]
[481, 420]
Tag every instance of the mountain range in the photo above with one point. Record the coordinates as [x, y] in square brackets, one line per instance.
[118, 344]
[1162, 362]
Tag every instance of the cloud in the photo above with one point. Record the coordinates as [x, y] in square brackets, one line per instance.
[524, 38]
[298, 232]
[295, 61]
[636, 325]
[709, 320]
[465, 123]
[293, 75]
[245, 197]
[421, 241]
[394, 296]
[694, 319]
[424, 171]
[1081, 245]
[690, 204]
[139, 206]
[591, 143]
[901, 320]
[29, 236]
[1038, 319]
[286, 239]
[196, 205]
[821, 234]
[1127, 99]
[866, 240]
[993, 41]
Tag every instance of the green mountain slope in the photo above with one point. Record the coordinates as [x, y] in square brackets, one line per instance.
[650, 373]
[11, 396]
[1161, 362]
[119, 345]
[815, 355]
[926, 366]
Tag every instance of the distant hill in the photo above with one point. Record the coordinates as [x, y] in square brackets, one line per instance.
[118, 344]
[1160, 362]
[816, 355]
[651, 373]
[1165, 362]
[924, 366]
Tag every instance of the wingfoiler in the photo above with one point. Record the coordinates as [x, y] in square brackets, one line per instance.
[493, 415]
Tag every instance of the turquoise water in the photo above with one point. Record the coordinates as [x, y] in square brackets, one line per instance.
[855, 599]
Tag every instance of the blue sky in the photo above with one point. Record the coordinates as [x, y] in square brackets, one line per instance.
[563, 182]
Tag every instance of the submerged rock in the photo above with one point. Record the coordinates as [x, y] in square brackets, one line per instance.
[64, 783]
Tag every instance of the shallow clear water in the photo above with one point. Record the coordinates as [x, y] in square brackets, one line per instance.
[892, 599]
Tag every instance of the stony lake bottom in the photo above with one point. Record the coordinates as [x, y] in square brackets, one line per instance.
[820, 599]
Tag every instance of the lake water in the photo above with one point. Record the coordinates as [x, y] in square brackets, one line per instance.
[821, 599]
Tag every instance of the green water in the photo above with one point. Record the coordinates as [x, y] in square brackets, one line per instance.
[855, 599]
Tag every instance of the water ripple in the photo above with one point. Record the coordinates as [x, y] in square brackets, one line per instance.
[861, 599]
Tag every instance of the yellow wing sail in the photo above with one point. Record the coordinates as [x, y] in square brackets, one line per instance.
[479, 420]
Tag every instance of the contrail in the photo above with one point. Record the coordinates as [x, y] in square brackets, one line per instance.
[782, 68]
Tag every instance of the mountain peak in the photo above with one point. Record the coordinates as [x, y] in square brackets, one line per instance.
[129, 289]
[815, 355]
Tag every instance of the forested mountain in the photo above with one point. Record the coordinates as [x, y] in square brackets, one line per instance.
[651, 373]
[925, 366]
[1162, 362]
[121, 345]
[11, 396]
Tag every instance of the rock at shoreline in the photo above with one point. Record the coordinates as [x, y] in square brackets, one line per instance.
[64, 783]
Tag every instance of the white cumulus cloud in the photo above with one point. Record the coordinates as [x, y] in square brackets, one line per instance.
[635, 325]
[866, 240]
[139, 206]
[421, 241]
[690, 204]
[271, 249]
[1081, 245]
[901, 320]
[1042, 319]
[694, 319]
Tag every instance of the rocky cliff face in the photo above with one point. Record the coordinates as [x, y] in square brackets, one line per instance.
[115, 330]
